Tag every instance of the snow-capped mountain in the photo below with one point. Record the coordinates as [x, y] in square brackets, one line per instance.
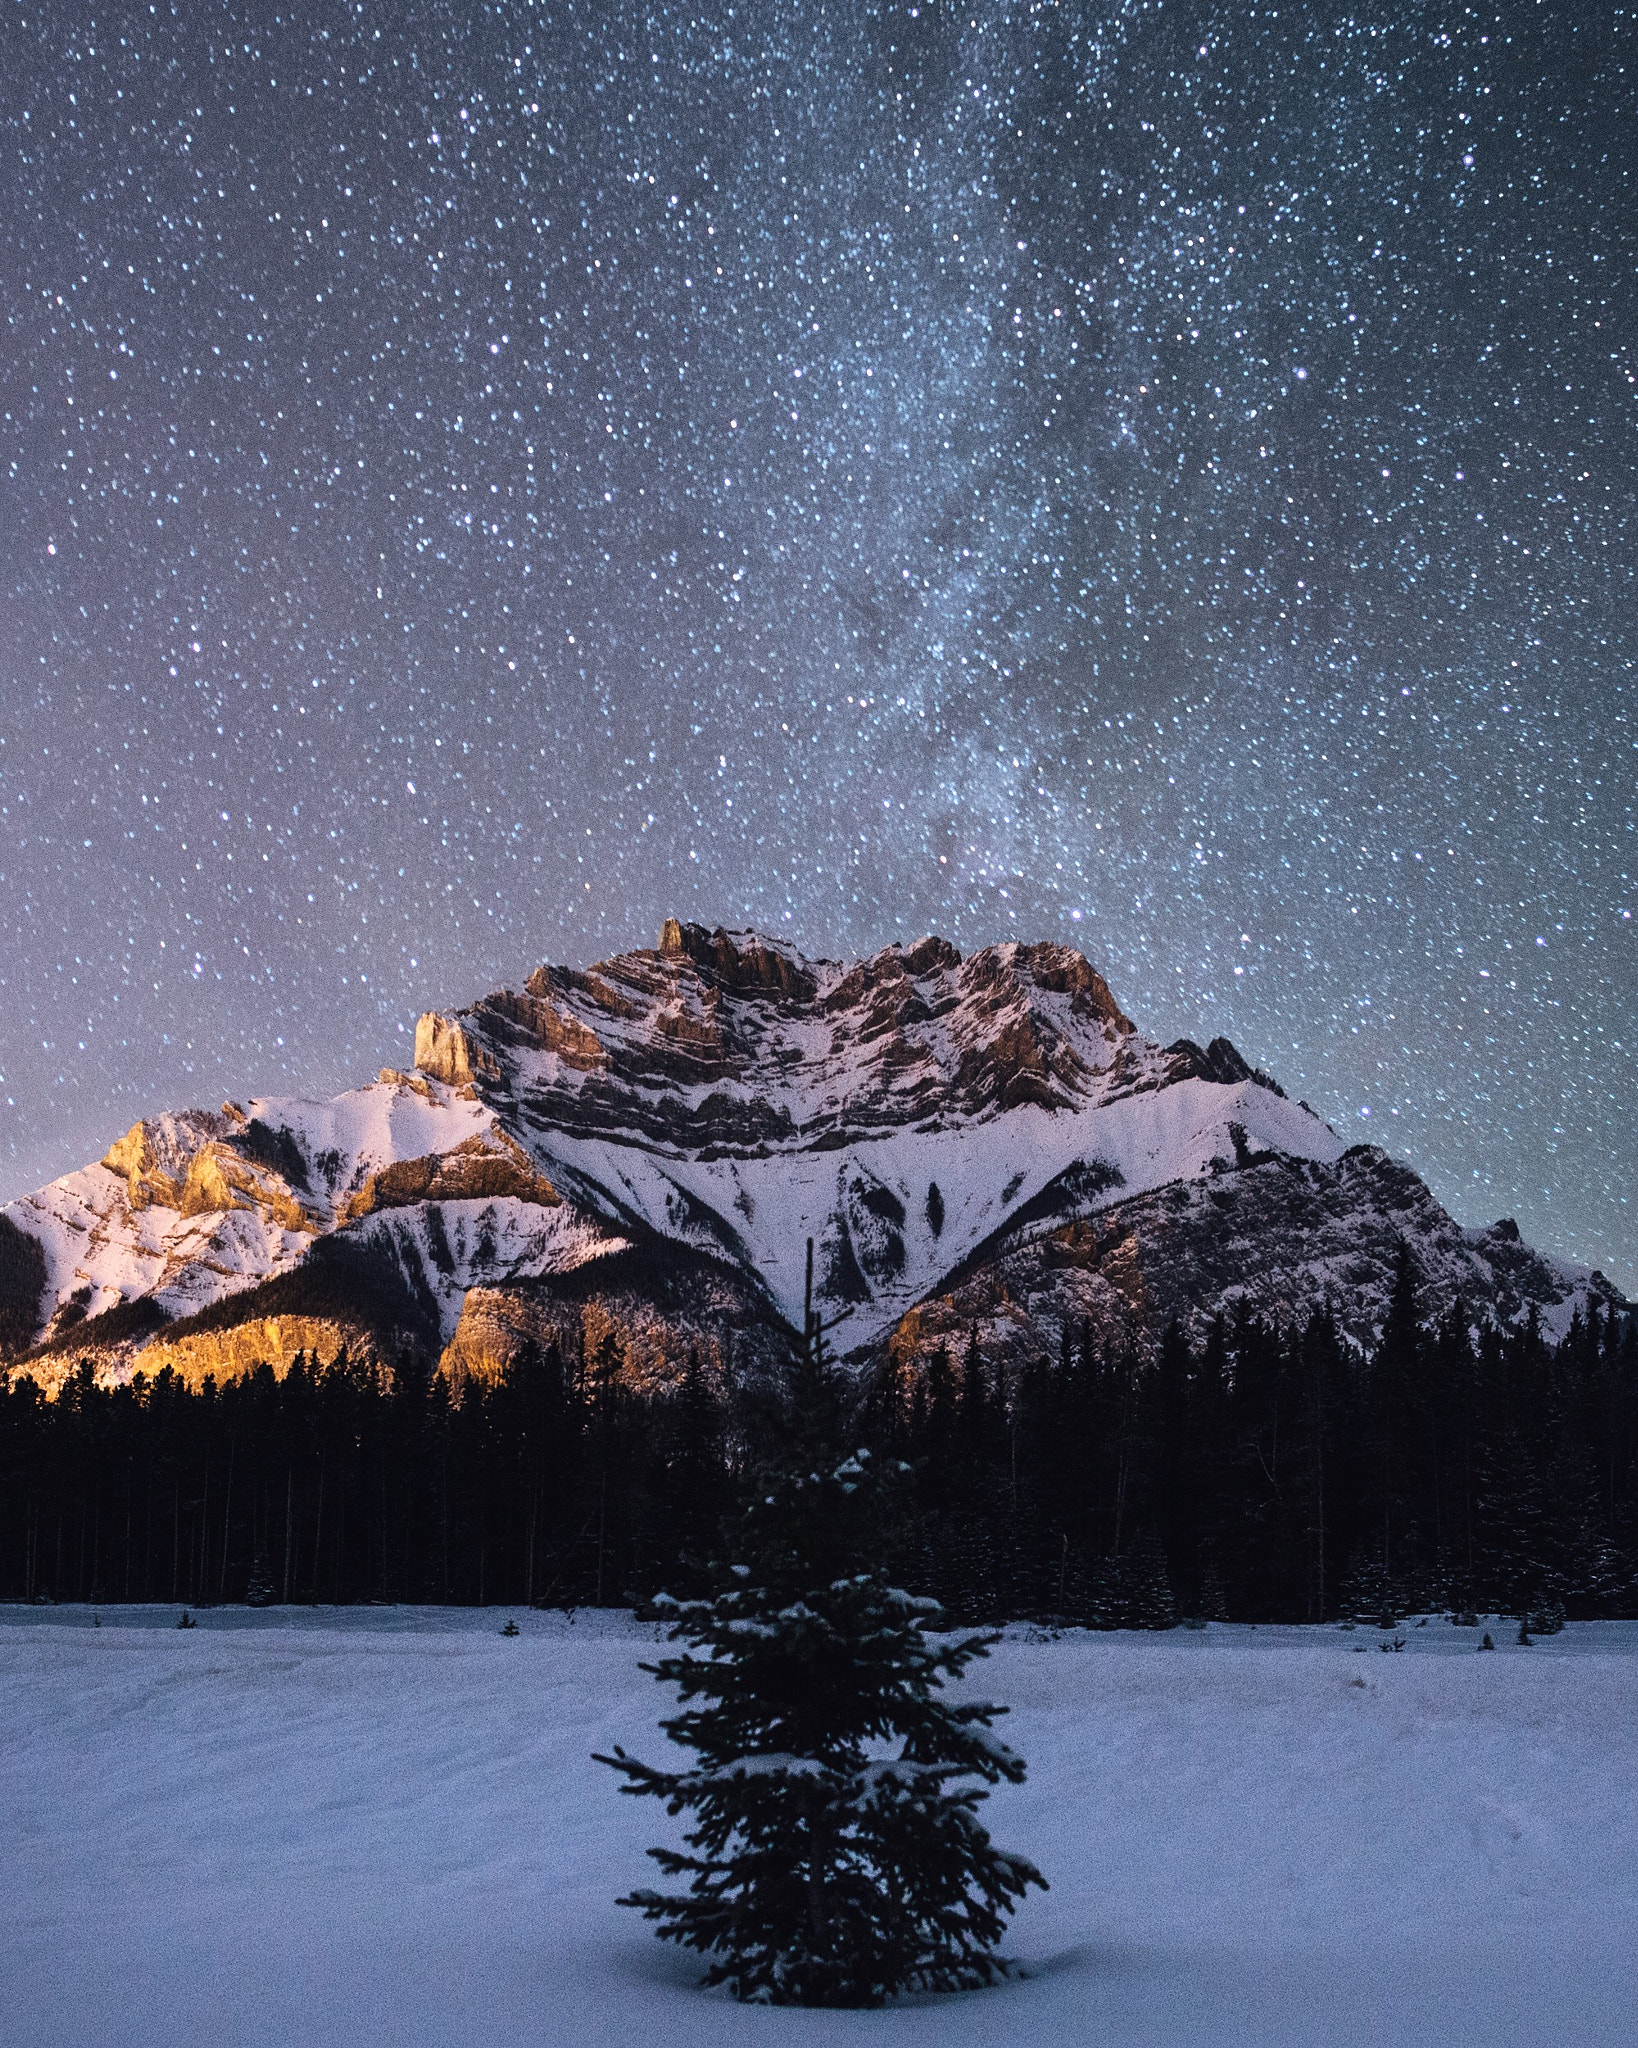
[984, 1144]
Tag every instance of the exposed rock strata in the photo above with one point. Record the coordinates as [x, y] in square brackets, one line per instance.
[276, 1341]
[724, 1330]
[478, 1168]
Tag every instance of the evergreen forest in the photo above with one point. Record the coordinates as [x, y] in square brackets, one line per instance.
[1260, 1476]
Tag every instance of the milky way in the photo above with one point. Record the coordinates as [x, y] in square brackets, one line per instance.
[476, 480]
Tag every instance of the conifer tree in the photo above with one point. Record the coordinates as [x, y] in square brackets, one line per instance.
[1135, 1588]
[939, 1445]
[693, 1475]
[974, 1411]
[1150, 1584]
[1213, 1598]
[1176, 1485]
[824, 1871]
[1510, 1517]
[1368, 1591]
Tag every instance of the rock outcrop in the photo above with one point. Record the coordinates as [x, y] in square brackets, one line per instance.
[277, 1341]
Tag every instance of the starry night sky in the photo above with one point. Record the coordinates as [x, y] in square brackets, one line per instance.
[475, 480]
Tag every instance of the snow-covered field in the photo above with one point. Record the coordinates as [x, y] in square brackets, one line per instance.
[381, 1826]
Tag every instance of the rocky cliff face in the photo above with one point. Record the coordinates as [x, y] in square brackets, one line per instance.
[973, 1144]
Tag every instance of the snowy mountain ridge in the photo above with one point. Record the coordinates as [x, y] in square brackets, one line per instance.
[929, 1121]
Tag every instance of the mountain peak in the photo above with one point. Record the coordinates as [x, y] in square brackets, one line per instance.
[745, 959]
[983, 1143]
[732, 1040]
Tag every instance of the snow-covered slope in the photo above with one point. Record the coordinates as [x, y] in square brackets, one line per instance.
[719, 1101]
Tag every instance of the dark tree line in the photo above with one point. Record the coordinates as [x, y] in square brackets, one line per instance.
[556, 1484]
[1259, 1476]
[1283, 1477]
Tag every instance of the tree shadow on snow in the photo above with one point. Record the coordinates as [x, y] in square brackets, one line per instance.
[1104, 1960]
[657, 1967]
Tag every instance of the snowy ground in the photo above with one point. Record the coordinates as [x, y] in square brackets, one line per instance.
[380, 1826]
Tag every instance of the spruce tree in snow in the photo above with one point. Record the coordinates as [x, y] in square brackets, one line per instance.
[836, 1856]
[1213, 1598]
[1546, 1618]
[1135, 1588]
[1368, 1592]
[1150, 1586]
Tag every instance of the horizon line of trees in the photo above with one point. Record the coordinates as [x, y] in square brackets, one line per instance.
[1261, 1476]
